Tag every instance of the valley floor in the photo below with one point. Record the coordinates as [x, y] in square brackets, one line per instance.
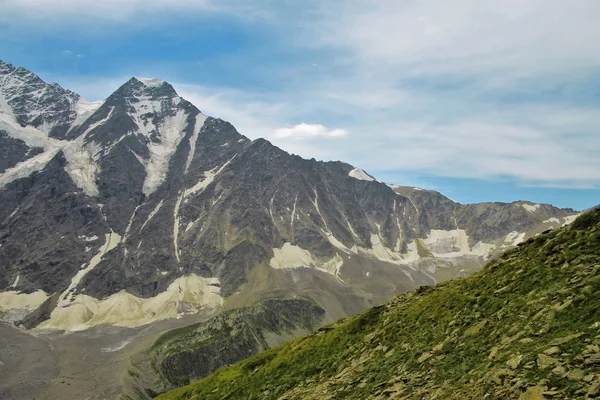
[88, 364]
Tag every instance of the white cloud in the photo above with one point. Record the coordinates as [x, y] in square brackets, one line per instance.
[308, 131]
[486, 150]
[252, 116]
[464, 36]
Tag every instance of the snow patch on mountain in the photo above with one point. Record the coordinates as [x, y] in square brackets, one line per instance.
[379, 251]
[531, 208]
[33, 138]
[186, 295]
[82, 164]
[170, 134]
[514, 238]
[38, 137]
[361, 175]
[412, 252]
[570, 219]
[27, 167]
[209, 177]
[176, 221]
[84, 109]
[333, 267]
[151, 82]
[112, 240]
[454, 243]
[291, 256]
[88, 238]
[15, 305]
[153, 213]
[200, 120]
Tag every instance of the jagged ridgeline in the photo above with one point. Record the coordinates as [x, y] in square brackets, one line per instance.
[140, 208]
[527, 326]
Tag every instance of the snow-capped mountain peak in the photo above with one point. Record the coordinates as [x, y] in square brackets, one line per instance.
[148, 193]
[151, 82]
[32, 102]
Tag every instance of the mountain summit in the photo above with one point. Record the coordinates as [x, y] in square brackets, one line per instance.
[141, 208]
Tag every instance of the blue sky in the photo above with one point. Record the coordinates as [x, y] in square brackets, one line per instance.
[482, 100]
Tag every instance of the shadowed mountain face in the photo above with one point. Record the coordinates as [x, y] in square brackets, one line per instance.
[141, 208]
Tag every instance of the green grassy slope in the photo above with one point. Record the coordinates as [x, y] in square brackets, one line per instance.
[527, 326]
[184, 355]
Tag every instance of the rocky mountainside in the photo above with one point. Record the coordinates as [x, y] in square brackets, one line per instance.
[187, 354]
[526, 327]
[141, 208]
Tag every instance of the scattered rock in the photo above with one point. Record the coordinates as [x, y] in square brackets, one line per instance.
[566, 339]
[594, 390]
[424, 357]
[564, 305]
[475, 329]
[560, 370]
[576, 375]
[498, 376]
[544, 361]
[533, 393]
[551, 393]
[594, 359]
[514, 362]
[368, 338]
[552, 350]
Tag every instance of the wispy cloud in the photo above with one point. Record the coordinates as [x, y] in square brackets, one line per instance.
[463, 36]
[69, 53]
[308, 131]
[468, 89]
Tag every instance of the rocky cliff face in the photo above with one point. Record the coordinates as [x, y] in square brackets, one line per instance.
[140, 208]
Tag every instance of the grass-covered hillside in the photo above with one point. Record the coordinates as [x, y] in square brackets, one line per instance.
[527, 326]
[187, 354]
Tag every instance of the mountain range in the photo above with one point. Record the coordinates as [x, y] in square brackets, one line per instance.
[140, 208]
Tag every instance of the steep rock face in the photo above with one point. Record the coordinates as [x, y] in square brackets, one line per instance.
[12, 151]
[143, 190]
[483, 221]
[45, 220]
[34, 103]
[37, 120]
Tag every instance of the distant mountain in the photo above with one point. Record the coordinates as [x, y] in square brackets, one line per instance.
[526, 327]
[141, 208]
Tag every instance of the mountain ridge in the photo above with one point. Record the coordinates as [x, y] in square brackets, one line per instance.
[147, 192]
